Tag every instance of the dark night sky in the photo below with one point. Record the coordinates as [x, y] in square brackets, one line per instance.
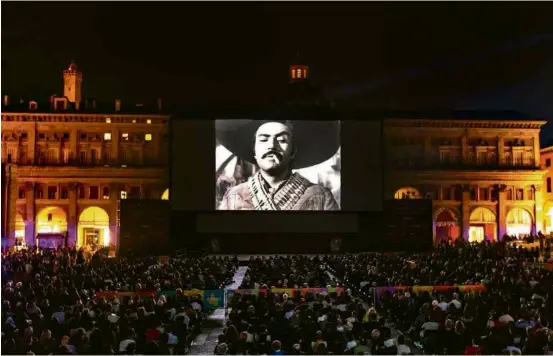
[412, 55]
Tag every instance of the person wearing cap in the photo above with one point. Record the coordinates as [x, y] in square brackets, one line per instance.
[279, 147]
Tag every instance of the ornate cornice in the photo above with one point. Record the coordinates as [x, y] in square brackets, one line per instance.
[529, 177]
[448, 123]
[84, 173]
[85, 118]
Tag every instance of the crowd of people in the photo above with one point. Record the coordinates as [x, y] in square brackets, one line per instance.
[49, 303]
[509, 314]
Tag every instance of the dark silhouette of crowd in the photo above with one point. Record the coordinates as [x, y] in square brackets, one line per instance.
[509, 314]
[49, 303]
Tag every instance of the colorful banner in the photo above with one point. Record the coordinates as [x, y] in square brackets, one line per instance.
[214, 299]
[421, 289]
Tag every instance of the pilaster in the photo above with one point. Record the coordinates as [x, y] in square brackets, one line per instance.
[115, 136]
[112, 212]
[74, 145]
[500, 152]
[501, 212]
[30, 221]
[31, 144]
[465, 212]
[538, 209]
[465, 149]
[536, 148]
[72, 218]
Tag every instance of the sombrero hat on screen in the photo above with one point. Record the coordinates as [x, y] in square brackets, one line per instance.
[316, 141]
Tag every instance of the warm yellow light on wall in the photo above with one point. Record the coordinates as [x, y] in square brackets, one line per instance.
[148, 137]
[148, 121]
[108, 120]
[107, 136]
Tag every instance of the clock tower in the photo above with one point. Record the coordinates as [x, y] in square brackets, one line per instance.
[72, 79]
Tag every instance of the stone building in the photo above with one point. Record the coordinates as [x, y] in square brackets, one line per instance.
[69, 161]
[546, 165]
[482, 171]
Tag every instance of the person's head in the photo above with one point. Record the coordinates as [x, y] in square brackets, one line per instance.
[275, 345]
[274, 148]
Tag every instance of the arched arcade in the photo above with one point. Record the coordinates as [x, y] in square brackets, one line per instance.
[93, 229]
[483, 225]
[519, 222]
[446, 225]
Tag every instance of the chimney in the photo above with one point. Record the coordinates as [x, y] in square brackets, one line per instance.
[159, 106]
[117, 105]
[6, 100]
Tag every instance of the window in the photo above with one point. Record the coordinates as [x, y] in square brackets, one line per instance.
[135, 192]
[65, 155]
[94, 192]
[472, 194]
[105, 193]
[82, 192]
[518, 159]
[123, 194]
[21, 193]
[52, 192]
[508, 158]
[52, 155]
[148, 121]
[64, 192]
[548, 162]
[483, 194]
[125, 136]
[298, 73]
[108, 120]
[530, 194]
[83, 157]
[482, 157]
[520, 194]
[293, 74]
[509, 194]
[549, 185]
[23, 155]
[107, 136]
[105, 156]
[39, 194]
[93, 156]
[148, 137]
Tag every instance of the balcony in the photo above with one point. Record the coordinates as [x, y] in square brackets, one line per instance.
[99, 163]
[421, 164]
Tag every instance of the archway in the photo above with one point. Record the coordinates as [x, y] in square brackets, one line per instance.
[483, 224]
[408, 193]
[19, 230]
[447, 225]
[548, 217]
[519, 222]
[51, 220]
[165, 195]
[93, 229]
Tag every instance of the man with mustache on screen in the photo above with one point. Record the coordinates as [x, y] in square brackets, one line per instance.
[278, 147]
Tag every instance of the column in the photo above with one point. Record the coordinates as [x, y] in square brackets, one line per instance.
[74, 145]
[465, 150]
[465, 212]
[30, 221]
[12, 204]
[538, 209]
[536, 149]
[501, 212]
[72, 218]
[500, 152]
[115, 136]
[31, 144]
[112, 212]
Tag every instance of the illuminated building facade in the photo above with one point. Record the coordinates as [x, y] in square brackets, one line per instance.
[547, 166]
[481, 170]
[68, 162]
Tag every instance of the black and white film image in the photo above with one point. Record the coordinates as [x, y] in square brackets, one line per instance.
[277, 165]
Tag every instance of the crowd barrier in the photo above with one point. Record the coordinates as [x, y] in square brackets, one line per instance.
[430, 289]
[217, 298]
